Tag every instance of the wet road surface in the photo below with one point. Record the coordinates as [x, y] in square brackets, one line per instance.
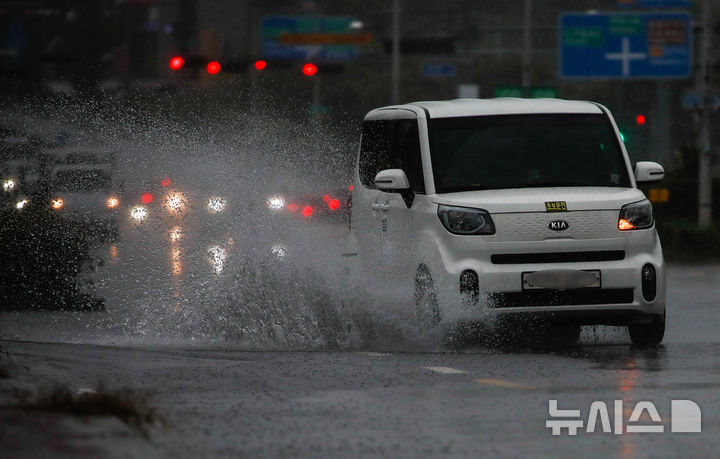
[229, 403]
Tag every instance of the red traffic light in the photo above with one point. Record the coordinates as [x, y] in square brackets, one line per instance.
[176, 62]
[309, 69]
[640, 120]
[260, 65]
[213, 68]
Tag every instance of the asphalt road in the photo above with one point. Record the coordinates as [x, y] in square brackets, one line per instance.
[486, 401]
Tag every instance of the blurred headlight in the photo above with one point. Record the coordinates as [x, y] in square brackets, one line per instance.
[638, 215]
[276, 203]
[57, 204]
[465, 220]
[216, 204]
[20, 204]
[138, 213]
[175, 202]
[112, 202]
[8, 185]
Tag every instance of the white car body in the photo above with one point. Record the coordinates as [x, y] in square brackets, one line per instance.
[395, 232]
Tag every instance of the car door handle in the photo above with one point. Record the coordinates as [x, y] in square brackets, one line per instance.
[378, 206]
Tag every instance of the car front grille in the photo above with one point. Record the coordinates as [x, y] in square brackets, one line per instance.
[557, 257]
[573, 297]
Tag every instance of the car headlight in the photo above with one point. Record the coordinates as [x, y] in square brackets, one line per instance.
[216, 204]
[112, 202]
[57, 204]
[138, 213]
[276, 203]
[8, 185]
[175, 202]
[21, 203]
[638, 215]
[465, 220]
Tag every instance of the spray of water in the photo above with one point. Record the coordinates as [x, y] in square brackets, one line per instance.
[205, 253]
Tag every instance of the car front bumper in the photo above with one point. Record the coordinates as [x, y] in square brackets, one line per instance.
[618, 300]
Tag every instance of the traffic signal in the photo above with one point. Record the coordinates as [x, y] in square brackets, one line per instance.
[260, 65]
[309, 69]
[213, 68]
[176, 63]
[640, 120]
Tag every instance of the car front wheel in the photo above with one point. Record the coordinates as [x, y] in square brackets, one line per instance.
[647, 334]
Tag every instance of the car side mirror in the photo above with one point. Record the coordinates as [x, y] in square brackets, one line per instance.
[648, 172]
[392, 180]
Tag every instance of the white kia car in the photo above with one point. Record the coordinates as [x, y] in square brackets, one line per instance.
[509, 206]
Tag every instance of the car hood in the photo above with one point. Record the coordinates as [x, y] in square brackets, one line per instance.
[534, 199]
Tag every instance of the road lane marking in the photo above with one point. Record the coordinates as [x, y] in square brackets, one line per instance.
[446, 370]
[503, 383]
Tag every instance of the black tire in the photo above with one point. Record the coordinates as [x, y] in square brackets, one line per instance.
[650, 334]
[426, 303]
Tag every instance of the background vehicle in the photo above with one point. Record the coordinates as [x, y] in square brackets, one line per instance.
[83, 187]
[516, 207]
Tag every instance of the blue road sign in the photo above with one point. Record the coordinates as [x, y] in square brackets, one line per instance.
[625, 45]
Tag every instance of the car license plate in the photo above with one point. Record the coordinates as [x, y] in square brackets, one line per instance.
[561, 279]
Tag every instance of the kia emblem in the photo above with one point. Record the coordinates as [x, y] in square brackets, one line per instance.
[558, 225]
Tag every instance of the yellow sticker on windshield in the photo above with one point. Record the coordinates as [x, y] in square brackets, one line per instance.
[555, 206]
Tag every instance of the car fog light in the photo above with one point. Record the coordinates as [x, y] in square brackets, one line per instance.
[649, 282]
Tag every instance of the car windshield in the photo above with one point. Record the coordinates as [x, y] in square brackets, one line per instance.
[525, 151]
[82, 180]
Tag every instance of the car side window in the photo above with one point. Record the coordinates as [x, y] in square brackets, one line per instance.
[391, 144]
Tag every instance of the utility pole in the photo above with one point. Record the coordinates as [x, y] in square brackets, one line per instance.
[395, 83]
[527, 48]
[702, 85]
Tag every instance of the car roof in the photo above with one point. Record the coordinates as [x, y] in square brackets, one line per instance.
[484, 107]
